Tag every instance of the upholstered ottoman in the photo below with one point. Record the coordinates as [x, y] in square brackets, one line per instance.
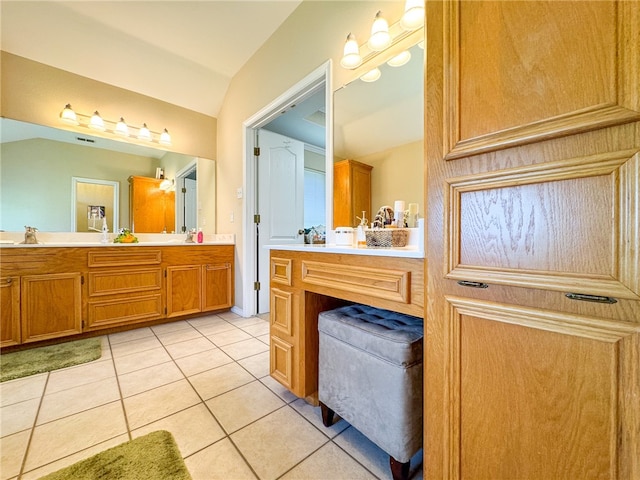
[370, 373]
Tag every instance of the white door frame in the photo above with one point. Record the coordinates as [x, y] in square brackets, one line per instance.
[320, 75]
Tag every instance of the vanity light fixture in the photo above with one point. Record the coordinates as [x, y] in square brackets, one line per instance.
[96, 122]
[371, 75]
[413, 16]
[119, 128]
[401, 59]
[380, 37]
[351, 55]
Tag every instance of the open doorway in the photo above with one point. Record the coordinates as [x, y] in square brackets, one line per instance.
[187, 198]
[256, 284]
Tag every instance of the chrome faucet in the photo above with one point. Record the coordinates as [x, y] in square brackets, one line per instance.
[190, 235]
[30, 235]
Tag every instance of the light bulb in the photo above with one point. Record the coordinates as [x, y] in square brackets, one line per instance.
[380, 37]
[165, 138]
[400, 59]
[144, 133]
[371, 75]
[413, 16]
[67, 115]
[122, 128]
[96, 122]
[351, 57]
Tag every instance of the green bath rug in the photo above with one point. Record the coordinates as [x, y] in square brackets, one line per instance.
[154, 456]
[45, 359]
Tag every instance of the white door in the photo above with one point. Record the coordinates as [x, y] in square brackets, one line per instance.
[190, 203]
[280, 200]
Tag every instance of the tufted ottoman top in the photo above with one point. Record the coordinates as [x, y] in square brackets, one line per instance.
[391, 336]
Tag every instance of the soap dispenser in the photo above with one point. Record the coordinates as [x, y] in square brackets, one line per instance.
[200, 236]
[361, 238]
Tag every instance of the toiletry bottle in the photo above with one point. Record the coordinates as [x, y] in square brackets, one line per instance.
[361, 238]
[200, 236]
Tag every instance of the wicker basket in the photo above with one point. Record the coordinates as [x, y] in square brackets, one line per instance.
[386, 237]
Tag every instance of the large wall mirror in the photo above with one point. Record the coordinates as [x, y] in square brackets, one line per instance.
[381, 124]
[39, 163]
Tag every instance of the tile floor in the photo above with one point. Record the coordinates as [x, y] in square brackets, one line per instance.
[205, 380]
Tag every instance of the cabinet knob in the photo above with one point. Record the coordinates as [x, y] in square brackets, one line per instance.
[9, 280]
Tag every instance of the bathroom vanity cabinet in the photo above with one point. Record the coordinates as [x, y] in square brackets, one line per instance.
[54, 292]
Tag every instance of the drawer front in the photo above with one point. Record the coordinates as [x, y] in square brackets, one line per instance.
[281, 309]
[103, 314]
[126, 256]
[281, 361]
[281, 270]
[110, 282]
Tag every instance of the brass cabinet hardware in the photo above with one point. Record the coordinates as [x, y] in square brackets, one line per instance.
[467, 283]
[590, 298]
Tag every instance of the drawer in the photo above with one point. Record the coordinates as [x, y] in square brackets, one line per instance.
[125, 256]
[107, 313]
[111, 282]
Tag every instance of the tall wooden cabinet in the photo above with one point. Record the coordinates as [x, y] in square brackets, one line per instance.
[351, 192]
[152, 209]
[533, 193]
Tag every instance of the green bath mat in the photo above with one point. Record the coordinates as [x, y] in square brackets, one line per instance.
[45, 359]
[152, 457]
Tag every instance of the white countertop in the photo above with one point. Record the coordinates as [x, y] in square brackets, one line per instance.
[411, 251]
[61, 239]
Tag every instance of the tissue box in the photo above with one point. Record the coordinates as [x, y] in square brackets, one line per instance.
[387, 237]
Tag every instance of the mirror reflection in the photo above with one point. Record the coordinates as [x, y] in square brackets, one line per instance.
[380, 125]
[37, 187]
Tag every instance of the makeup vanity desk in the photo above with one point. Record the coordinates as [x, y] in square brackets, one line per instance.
[308, 279]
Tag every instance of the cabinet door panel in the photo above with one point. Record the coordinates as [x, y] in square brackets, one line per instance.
[107, 313]
[9, 311]
[281, 359]
[50, 306]
[217, 288]
[183, 290]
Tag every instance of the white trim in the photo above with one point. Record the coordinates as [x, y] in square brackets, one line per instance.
[321, 75]
[315, 149]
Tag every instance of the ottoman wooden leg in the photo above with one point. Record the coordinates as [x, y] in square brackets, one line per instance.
[327, 415]
[399, 471]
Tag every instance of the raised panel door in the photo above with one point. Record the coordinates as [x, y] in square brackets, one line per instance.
[9, 311]
[533, 301]
[217, 286]
[184, 287]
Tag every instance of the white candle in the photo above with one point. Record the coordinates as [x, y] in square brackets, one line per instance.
[398, 211]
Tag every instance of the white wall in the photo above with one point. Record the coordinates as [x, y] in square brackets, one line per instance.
[314, 33]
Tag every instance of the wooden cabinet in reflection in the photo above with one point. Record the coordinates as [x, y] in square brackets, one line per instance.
[152, 209]
[351, 192]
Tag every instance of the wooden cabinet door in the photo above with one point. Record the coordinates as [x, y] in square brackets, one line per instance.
[152, 209]
[184, 287]
[351, 192]
[50, 306]
[217, 286]
[9, 311]
[532, 170]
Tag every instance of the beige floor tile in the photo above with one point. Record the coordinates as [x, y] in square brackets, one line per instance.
[264, 316]
[262, 443]
[106, 349]
[76, 457]
[243, 405]
[229, 336]
[203, 361]
[264, 339]
[314, 415]
[189, 347]
[149, 378]
[205, 321]
[130, 335]
[244, 349]
[72, 434]
[158, 403]
[278, 389]
[228, 315]
[215, 328]
[220, 461]
[77, 399]
[243, 323]
[178, 336]
[18, 416]
[170, 327]
[257, 329]
[329, 462]
[140, 360]
[12, 450]
[21, 389]
[193, 429]
[80, 375]
[137, 346]
[220, 380]
[258, 365]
